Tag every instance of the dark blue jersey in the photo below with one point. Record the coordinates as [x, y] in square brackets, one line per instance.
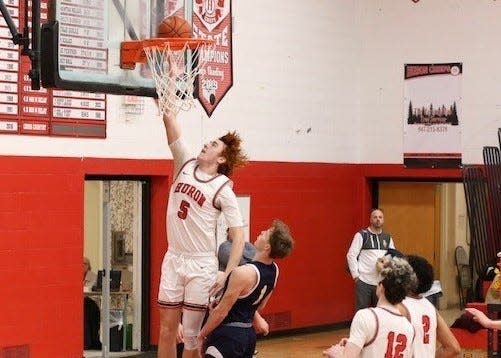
[244, 308]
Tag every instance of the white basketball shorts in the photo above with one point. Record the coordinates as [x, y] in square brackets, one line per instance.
[186, 279]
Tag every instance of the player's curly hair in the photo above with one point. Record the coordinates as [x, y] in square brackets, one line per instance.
[398, 278]
[233, 152]
[281, 241]
[424, 273]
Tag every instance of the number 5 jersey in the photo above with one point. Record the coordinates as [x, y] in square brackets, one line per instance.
[195, 202]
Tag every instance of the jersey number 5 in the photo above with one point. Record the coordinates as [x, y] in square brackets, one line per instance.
[395, 346]
[183, 209]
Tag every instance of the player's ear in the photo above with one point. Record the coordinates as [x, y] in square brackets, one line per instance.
[221, 160]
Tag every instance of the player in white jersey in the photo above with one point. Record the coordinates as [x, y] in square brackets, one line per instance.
[430, 327]
[382, 331]
[200, 192]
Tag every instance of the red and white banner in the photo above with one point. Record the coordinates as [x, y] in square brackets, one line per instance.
[212, 20]
[432, 115]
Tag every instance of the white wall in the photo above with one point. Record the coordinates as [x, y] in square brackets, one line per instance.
[334, 66]
[398, 32]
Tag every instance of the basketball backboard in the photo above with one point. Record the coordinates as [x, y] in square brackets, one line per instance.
[80, 43]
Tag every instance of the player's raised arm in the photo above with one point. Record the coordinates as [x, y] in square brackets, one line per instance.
[237, 247]
[173, 132]
[172, 128]
[169, 116]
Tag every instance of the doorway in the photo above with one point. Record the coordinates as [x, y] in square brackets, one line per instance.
[412, 216]
[116, 241]
[427, 219]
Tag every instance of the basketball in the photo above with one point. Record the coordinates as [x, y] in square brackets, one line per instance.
[174, 26]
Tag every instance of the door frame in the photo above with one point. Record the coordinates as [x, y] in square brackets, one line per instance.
[447, 242]
[145, 270]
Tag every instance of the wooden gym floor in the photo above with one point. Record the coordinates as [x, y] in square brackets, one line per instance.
[300, 345]
[303, 345]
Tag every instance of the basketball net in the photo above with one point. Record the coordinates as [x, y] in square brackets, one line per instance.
[174, 72]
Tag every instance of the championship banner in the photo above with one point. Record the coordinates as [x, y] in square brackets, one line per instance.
[432, 112]
[212, 20]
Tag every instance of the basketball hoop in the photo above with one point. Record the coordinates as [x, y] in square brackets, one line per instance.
[174, 64]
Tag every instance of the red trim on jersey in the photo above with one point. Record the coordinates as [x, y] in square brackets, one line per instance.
[376, 331]
[217, 193]
[407, 313]
[203, 181]
[390, 311]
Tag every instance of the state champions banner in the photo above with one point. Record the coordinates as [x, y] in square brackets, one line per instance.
[212, 20]
[432, 115]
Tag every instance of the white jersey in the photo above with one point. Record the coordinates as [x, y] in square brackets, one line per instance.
[195, 203]
[380, 332]
[423, 317]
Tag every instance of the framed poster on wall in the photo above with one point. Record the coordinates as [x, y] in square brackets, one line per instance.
[432, 115]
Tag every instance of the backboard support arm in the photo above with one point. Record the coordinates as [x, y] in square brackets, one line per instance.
[125, 19]
[34, 53]
[23, 39]
[17, 37]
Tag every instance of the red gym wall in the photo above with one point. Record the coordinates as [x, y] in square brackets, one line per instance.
[41, 245]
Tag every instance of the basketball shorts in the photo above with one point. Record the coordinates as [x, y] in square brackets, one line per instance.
[234, 342]
[186, 279]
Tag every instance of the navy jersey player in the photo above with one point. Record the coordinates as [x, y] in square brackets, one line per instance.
[230, 330]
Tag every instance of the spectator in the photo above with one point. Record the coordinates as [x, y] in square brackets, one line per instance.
[367, 246]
